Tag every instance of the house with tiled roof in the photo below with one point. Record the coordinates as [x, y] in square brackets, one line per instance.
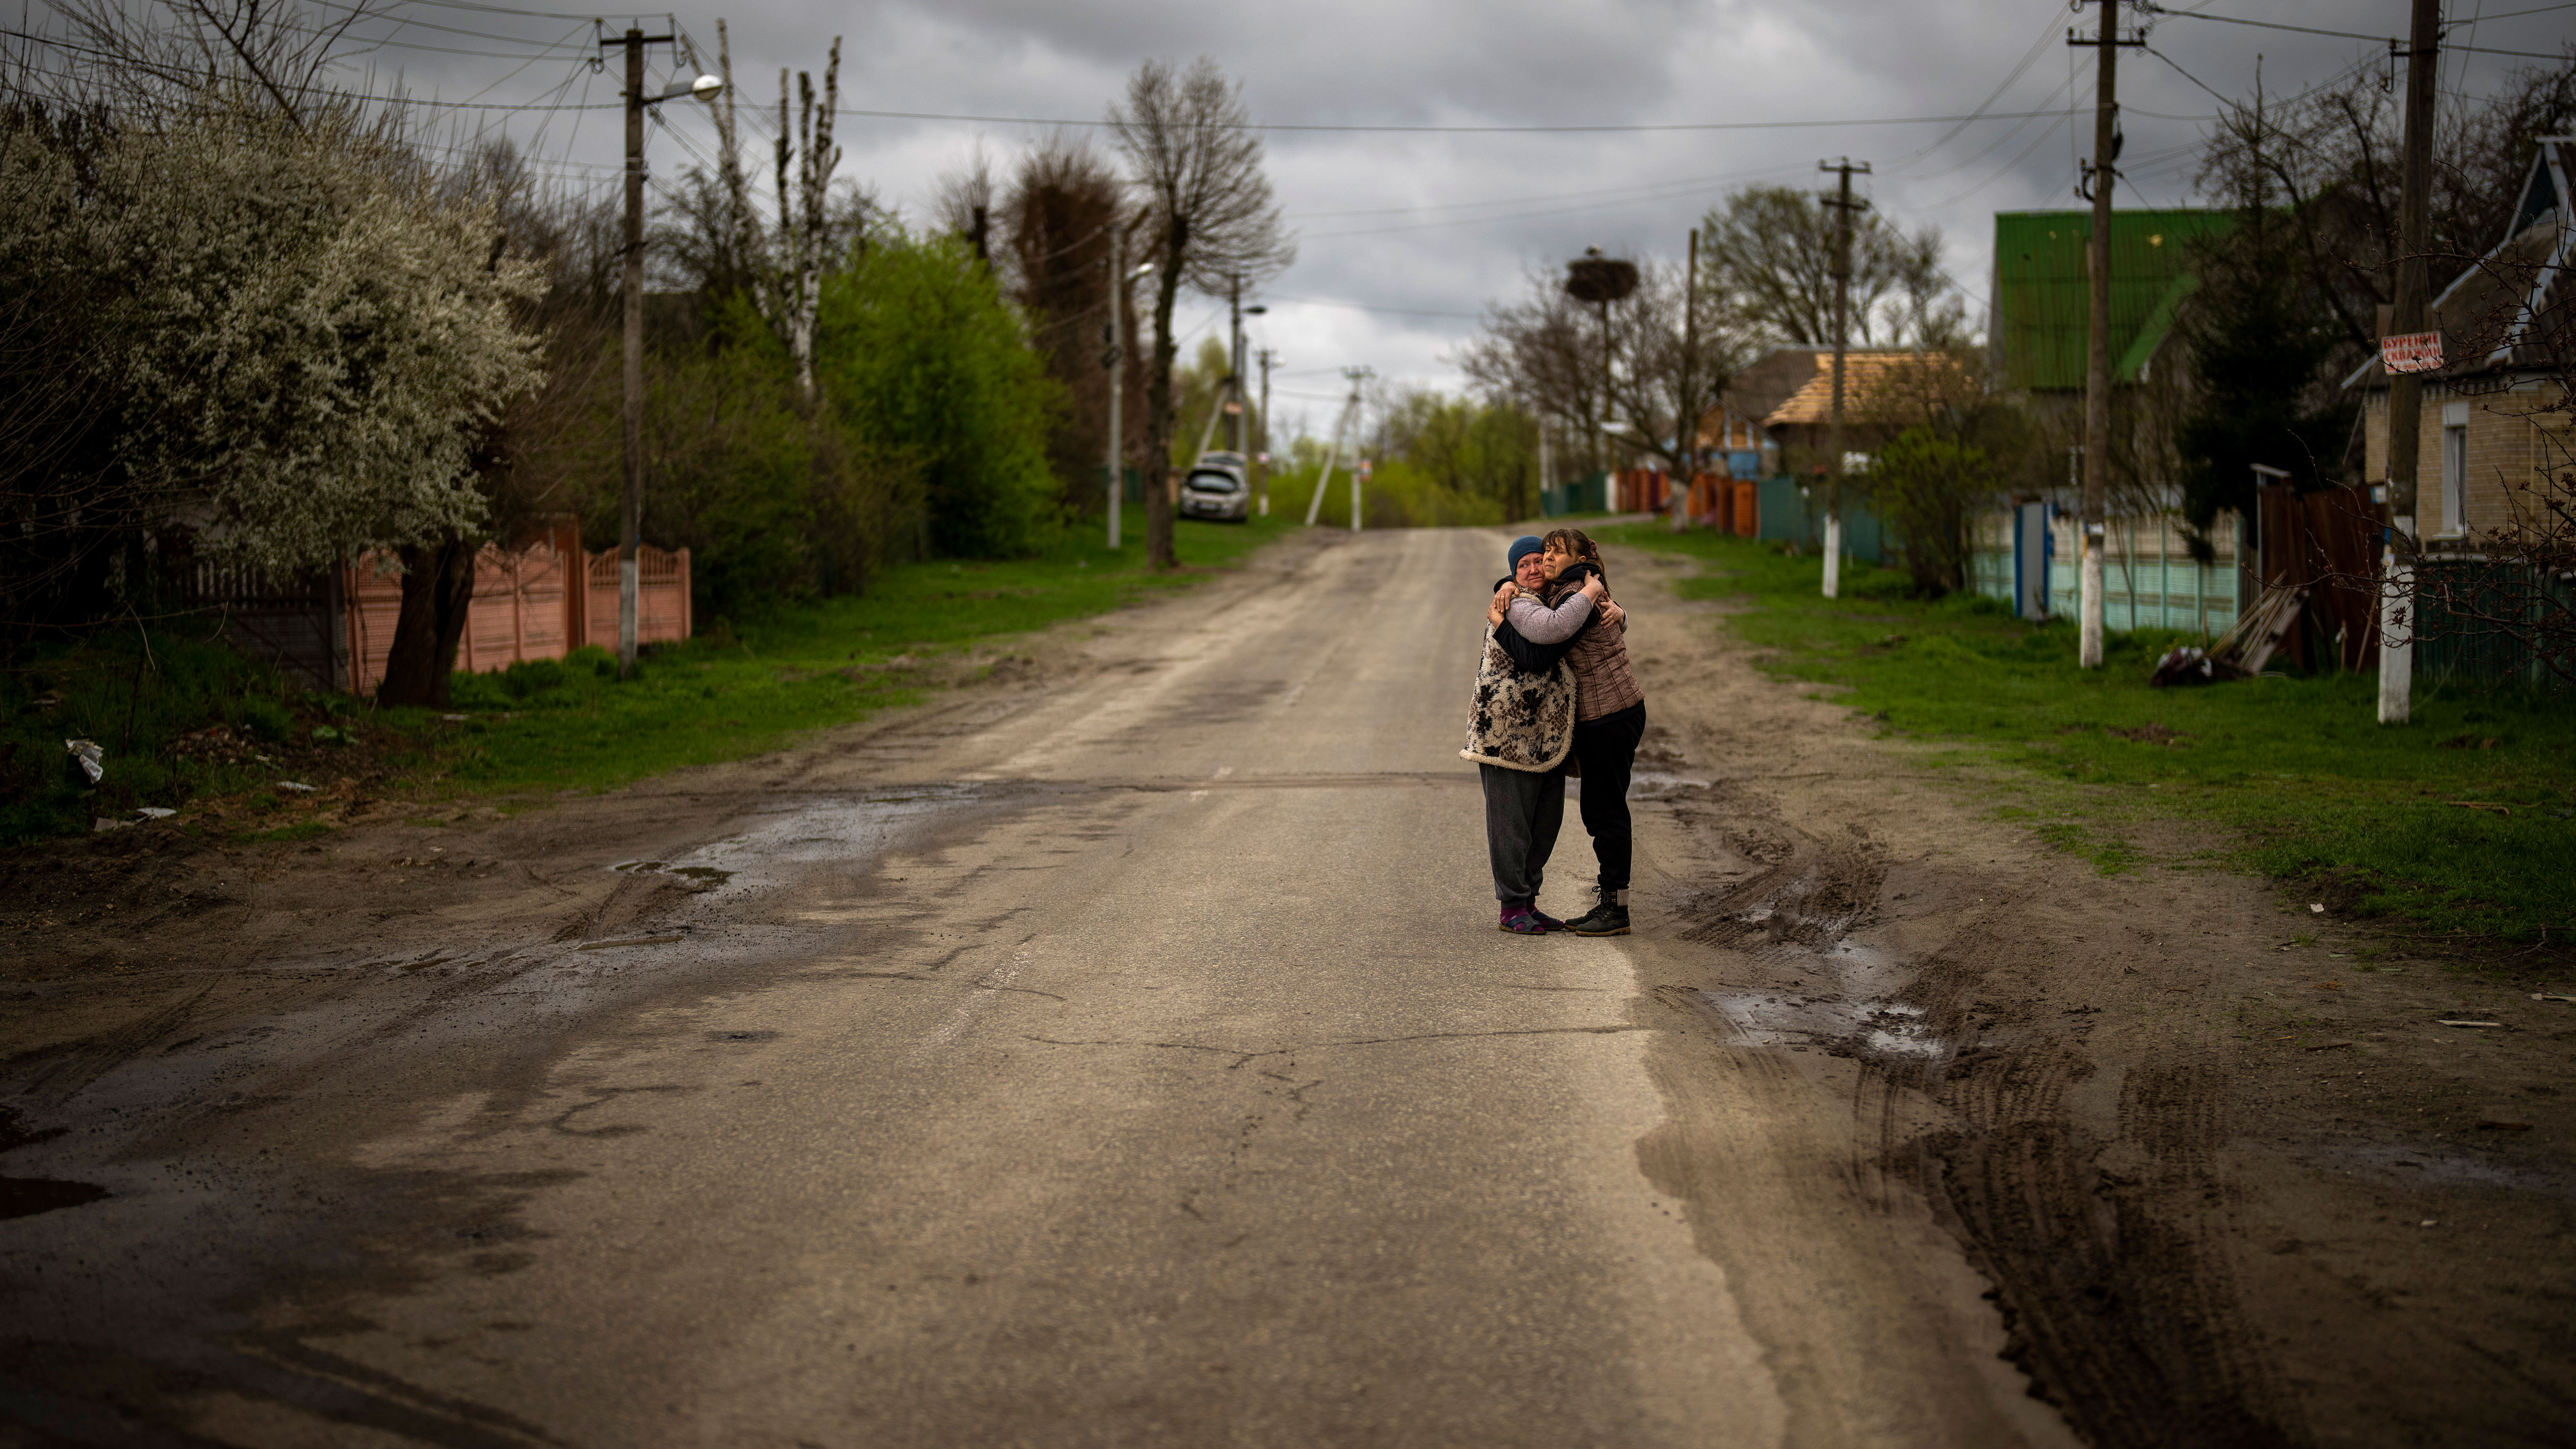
[2494, 431]
[2491, 409]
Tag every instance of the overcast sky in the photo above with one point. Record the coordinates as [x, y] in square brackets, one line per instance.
[1404, 237]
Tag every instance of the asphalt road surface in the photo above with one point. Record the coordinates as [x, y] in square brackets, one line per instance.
[1130, 1058]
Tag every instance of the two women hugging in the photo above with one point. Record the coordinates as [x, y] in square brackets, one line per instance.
[1554, 696]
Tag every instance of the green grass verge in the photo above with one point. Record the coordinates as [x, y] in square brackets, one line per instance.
[740, 688]
[2296, 776]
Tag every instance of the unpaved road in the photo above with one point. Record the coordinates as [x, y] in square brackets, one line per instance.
[1124, 1054]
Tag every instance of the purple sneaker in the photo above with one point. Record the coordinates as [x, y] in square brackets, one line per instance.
[1523, 921]
[1544, 919]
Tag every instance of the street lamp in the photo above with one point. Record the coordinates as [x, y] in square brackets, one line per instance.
[1115, 356]
[631, 533]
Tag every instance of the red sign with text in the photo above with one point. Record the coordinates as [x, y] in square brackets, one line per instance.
[2411, 352]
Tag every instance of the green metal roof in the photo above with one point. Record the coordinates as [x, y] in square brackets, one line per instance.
[2043, 307]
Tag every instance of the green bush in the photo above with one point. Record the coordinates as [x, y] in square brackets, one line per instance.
[532, 676]
[918, 352]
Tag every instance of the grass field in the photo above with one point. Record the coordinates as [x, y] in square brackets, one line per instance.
[187, 724]
[2464, 821]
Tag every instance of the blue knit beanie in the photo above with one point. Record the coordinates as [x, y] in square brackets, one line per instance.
[1522, 547]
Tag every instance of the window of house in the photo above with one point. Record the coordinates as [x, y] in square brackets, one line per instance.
[2455, 480]
[2455, 468]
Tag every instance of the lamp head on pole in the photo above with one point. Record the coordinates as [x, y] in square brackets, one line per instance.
[704, 88]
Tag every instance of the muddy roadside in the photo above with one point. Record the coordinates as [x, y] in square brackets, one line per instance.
[2231, 1167]
[129, 939]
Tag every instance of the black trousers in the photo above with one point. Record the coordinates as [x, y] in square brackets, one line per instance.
[1607, 749]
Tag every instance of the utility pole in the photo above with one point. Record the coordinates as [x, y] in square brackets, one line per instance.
[630, 531]
[2097, 357]
[1843, 205]
[630, 537]
[2406, 389]
[1359, 475]
[1332, 455]
[1687, 424]
[1234, 358]
[1114, 355]
[1261, 435]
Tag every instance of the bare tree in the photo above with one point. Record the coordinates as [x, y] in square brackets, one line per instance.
[1642, 365]
[2328, 160]
[146, 59]
[1768, 252]
[1208, 219]
[1542, 351]
[1671, 356]
[964, 204]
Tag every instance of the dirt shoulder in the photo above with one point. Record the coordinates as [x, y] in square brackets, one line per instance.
[147, 911]
[2230, 1178]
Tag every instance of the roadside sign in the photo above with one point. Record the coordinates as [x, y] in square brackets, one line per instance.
[2411, 352]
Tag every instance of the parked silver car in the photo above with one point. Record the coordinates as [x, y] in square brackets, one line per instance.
[1217, 488]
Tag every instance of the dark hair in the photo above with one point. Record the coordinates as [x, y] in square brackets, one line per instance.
[1576, 542]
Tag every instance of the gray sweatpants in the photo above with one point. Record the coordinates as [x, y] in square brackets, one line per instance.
[1523, 810]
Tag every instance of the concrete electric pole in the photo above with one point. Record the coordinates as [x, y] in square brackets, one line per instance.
[1359, 475]
[1261, 435]
[1843, 205]
[2406, 389]
[2097, 357]
[1687, 424]
[1113, 355]
[1343, 425]
[630, 536]
[1234, 361]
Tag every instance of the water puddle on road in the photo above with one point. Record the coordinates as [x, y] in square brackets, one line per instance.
[840, 828]
[1872, 1028]
[1840, 1001]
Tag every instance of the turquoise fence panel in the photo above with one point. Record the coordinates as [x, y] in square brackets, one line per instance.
[1588, 494]
[2452, 650]
[1794, 512]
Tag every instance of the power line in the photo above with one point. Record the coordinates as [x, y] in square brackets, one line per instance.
[1677, 126]
[2357, 35]
[406, 20]
[1679, 182]
[1363, 307]
[2047, 33]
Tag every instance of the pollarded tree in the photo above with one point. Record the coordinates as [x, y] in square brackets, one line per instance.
[1208, 221]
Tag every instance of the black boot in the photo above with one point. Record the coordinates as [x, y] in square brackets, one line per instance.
[1610, 918]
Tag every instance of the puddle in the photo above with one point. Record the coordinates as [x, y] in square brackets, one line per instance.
[705, 873]
[1646, 784]
[1872, 1028]
[844, 828]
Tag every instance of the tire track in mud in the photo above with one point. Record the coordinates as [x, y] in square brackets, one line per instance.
[2109, 1259]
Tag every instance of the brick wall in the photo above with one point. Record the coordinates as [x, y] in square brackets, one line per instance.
[2503, 434]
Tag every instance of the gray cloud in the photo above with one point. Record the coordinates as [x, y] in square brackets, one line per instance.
[1434, 223]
